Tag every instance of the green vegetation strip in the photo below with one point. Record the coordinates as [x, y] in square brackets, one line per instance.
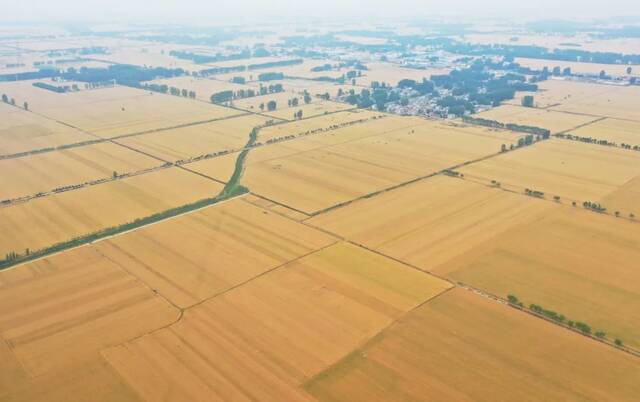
[231, 189]
[560, 318]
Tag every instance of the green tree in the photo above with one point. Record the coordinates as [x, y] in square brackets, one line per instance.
[527, 101]
[307, 98]
[262, 107]
[271, 105]
[618, 342]
[5, 98]
[26, 106]
[629, 70]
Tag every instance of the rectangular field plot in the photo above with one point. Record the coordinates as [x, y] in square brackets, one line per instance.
[282, 100]
[620, 103]
[316, 87]
[44, 172]
[216, 248]
[203, 87]
[312, 109]
[575, 262]
[578, 171]
[57, 313]
[21, 131]
[625, 200]
[45, 221]
[612, 130]
[461, 347]
[429, 222]
[314, 173]
[110, 112]
[556, 92]
[188, 142]
[319, 124]
[262, 340]
[543, 118]
[579, 68]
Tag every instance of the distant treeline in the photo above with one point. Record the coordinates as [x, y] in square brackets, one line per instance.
[206, 58]
[510, 126]
[122, 74]
[538, 52]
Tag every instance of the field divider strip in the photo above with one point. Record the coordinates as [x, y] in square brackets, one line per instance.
[230, 190]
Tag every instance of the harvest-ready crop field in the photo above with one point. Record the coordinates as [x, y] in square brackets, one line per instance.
[266, 327]
[195, 140]
[577, 171]
[316, 172]
[545, 118]
[612, 130]
[22, 131]
[480, 334]
[393, 237]
[63, 216]
[114, 111]
[43, 172]
[581, 68]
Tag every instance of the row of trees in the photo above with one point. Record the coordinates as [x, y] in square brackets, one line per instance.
[165, 89]
[229, 95]
[560, 318]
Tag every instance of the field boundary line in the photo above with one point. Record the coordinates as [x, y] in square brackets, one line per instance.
[185, 309]
[359, 350]
[483, 293]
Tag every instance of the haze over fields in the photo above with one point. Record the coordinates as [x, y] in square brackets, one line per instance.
[319, 201]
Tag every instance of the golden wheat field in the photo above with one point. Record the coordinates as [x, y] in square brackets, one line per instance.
[572, 261]
[312, 109]
[580, 68]
[626, 199]
[259, 341]
[316, 172]
[569, 169]
[44, 172]
[203, 87]
[58, 313]
[544, 118]
[114, 111]
[620, 103]
[316, 87]
[282, 100]
[556, 91]
[195, 140]
[63, 216]
[21, 131]
[612, 130]
[320, 124]
[216, 248]
[379, 242]
[429, 222]
[461, 347]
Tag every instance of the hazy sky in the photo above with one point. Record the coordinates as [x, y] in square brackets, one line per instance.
[216, 10]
